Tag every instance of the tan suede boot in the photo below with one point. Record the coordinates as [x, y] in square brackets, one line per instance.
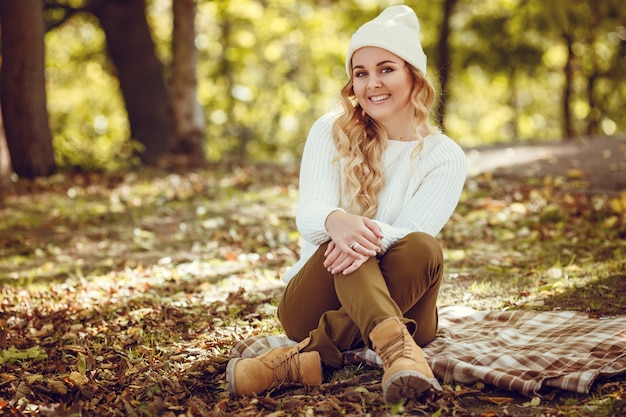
[407, 374]
[282, 365]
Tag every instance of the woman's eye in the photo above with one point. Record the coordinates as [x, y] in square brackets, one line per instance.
[359, 74]
[386, 69]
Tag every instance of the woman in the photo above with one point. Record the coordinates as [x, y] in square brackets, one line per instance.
[377, 183]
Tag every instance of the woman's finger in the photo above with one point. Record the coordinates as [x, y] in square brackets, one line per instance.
[364, 247]
[354, 266]
[341, 265]
[329, 248]
[332, 257]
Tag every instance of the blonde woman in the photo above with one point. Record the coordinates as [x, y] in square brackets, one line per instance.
[377, 184]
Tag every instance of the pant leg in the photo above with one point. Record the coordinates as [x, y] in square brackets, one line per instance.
[413, 269]
[310, 308]
[365, 297]
[324, 307]
[403, 283]
[315, 305]
[309, 294]
[338, 312]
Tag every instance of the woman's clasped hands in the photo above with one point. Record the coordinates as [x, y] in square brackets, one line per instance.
[354, 239]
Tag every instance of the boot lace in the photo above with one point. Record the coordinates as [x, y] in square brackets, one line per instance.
[395, 349]
[287, 368]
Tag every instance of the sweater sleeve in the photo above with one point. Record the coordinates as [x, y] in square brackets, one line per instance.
[436, 198]
[319, 182]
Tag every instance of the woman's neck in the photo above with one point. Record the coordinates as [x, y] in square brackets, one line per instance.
[403, 131]
[404, 135]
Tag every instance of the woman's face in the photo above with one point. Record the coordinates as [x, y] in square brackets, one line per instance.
[382, 85]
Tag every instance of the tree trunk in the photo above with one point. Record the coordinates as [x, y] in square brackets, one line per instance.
[514, 104]
[595, 114]
[5, 163]
[568, 127]
[140, 74]
[187, 113]
[22, 88]
[226, 69]
[443, 57]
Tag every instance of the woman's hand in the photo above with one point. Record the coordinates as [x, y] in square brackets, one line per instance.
[354, 240]
[338, 262]
[354, 234]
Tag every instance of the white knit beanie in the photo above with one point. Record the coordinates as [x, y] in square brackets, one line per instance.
[397, 30]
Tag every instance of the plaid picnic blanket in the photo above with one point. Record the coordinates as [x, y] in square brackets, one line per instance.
[529, 352]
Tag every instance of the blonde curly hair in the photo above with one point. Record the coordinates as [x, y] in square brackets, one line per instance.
[361, 142]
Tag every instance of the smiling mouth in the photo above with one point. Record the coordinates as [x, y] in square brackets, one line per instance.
[380, 98]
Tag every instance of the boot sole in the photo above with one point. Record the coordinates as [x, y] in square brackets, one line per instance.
[230, 377]
[406, 384]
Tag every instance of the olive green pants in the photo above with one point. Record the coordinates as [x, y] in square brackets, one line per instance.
[339, 311]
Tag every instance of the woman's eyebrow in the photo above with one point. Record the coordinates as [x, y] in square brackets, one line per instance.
[378, 64]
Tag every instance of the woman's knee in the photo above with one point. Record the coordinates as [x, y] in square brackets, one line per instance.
[423, 245]
[415, 253]
[422, 338]
[309, 294]
[293, 321]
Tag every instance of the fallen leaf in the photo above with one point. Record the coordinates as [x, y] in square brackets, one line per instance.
[496, 400]
[15, 355]
[535, 402]
[77, 378]
[58, 387]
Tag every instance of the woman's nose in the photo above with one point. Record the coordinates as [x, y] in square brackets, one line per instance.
[373, 82]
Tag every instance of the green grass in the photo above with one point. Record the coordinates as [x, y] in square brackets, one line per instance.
[142, 281]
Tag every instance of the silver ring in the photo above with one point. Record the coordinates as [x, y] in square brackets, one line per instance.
[354, 245]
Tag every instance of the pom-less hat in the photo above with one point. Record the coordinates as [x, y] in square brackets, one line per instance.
[397, 30]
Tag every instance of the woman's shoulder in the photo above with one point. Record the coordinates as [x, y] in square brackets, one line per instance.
[326, 120]
[322, 128]
[320, 136]
[442, 142]
[441, 149]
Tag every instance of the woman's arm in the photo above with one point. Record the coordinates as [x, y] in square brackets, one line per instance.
[319, 182]
[318, 216]
[435, 200]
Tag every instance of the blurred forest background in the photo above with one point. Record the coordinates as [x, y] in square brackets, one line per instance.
[110, 84]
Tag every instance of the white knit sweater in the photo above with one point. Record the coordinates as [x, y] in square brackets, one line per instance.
[420, 192]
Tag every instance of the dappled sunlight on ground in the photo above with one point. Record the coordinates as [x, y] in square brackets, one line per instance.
[124, 293]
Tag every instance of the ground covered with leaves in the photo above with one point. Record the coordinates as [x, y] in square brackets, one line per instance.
[122, 294]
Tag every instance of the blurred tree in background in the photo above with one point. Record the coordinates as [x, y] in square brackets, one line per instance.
[129, 82]
[22, 89]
